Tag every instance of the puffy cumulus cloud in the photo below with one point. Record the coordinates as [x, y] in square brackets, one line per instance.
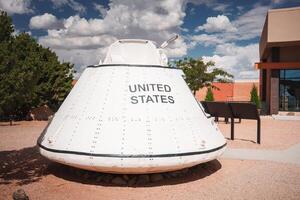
[217, 24]
[16, 6]
[71, 3]
[246, 26]
[238, 60]
[76, 42]
[177, 49]
[81, 57]
[45, 21]
[84, 41]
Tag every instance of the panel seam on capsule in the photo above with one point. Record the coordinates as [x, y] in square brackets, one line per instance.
[132, 65]
[131, 156]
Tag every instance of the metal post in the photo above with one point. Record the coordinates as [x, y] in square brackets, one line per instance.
[258, 131]
[216, 119]
[232, 127]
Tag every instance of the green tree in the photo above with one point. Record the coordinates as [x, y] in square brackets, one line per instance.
[7, 27]
[209, 95]
[254, 96]
[54, 80]
[16, 77]
[30, 75]
[199, 74]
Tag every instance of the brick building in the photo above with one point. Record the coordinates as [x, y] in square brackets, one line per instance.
[239, 90]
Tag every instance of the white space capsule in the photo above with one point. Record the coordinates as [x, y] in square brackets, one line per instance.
[131, 114]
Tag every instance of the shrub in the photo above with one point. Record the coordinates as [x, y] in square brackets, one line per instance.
[209, 95]
[254, 96]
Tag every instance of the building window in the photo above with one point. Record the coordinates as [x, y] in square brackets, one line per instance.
[289, 90]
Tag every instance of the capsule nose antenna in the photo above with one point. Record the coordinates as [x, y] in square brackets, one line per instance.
[166, 43]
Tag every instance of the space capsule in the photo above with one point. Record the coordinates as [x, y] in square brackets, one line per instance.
[131, 114]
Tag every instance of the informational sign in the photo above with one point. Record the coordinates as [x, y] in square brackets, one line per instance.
[143, 93]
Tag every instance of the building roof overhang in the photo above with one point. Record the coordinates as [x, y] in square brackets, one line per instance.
[277, 65]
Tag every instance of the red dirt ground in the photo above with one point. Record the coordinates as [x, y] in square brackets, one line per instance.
[22, 166]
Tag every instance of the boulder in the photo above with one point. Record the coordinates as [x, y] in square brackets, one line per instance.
[107, 178]
[99, 178]
[143, 179]
[20, 195]
[156, 177]
[132, 181]
[125, 177]
[86, 175]
[118, 181]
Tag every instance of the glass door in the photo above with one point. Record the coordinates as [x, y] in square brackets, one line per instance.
[289, 90]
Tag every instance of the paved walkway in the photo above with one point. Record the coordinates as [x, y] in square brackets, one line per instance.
[285, 117]
[290, 155]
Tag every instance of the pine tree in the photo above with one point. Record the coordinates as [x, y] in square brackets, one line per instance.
[254, 96]
[209, 95]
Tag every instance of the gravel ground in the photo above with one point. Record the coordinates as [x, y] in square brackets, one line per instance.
[21, 166]
[20, 135]
[275, 134]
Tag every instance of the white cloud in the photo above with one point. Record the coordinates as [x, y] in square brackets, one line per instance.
[220, 7]
[217, 24]
[279, 1]
[16, 6]
[245, 27]
[177, 49]
[75, 25]
[238, 60]
[205, 40]
[77, 42]
[45, 21]
[101, 9]
[16, 32]
[213, 4]
[223, 34]
[84, 41]
[71, 3]
[250, 24]
[81, 57]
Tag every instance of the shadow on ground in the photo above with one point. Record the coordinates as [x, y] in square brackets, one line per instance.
[27, 165]
[244, 140]
[23, 166]
[7, 124]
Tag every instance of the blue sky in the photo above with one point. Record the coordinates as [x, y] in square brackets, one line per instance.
[79, 31]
